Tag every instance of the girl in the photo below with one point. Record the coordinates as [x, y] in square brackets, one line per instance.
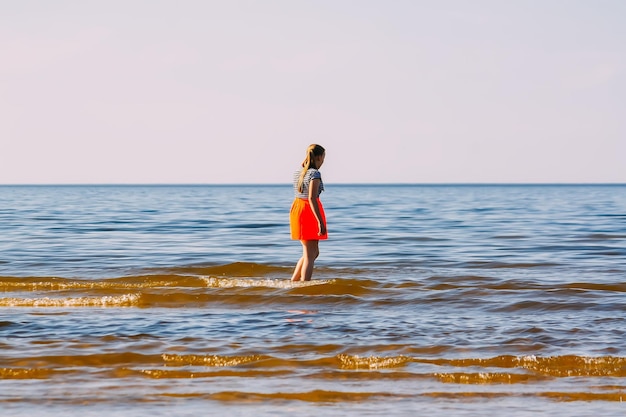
[307, 218]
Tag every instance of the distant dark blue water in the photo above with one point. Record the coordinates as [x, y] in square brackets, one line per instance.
[153, 300]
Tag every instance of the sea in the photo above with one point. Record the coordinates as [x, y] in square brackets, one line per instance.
[176, 300]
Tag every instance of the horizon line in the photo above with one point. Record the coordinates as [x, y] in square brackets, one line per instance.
[200, 184]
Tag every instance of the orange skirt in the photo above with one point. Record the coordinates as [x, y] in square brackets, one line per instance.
[303, 222]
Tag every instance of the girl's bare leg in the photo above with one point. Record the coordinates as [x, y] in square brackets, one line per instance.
[297, 272]
[304, 268]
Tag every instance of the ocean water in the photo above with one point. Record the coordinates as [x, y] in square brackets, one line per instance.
[176, 301]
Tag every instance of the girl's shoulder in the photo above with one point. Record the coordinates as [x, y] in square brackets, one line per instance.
[313, 173]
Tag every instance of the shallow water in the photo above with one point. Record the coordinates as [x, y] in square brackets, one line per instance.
[154, 300]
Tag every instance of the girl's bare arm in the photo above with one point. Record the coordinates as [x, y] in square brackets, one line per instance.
[313, 192]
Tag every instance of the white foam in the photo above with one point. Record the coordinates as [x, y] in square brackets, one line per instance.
[371, 362]
[260, 282]
[125, 300]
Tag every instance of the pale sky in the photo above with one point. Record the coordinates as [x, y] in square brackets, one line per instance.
[230, 91]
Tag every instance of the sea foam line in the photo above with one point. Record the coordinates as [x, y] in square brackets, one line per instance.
[256, 282]
[125, 300]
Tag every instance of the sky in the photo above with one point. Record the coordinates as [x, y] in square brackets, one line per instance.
[232, 91]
